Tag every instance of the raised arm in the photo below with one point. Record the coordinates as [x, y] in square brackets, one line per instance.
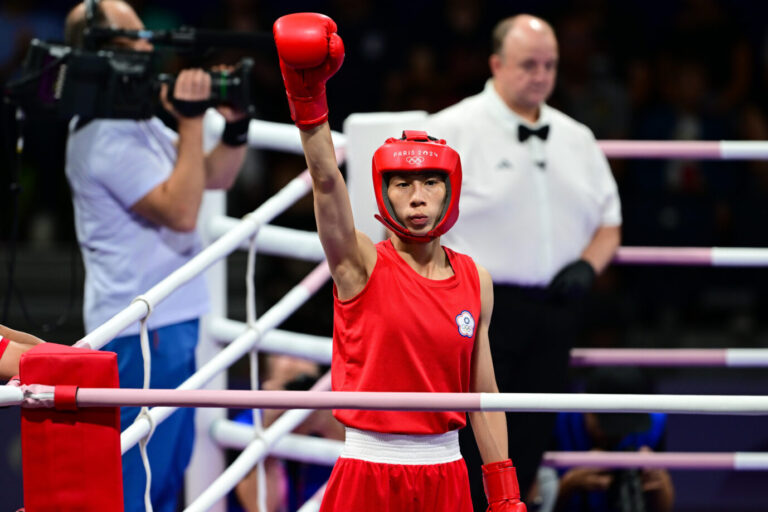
[490, 428]
[310, 52]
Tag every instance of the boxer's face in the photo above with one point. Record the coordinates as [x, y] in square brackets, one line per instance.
[417, 199]
[525, 70]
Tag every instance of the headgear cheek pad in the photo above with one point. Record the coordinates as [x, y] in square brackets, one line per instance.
[417, 152]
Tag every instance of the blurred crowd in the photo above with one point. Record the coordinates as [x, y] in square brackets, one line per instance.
[682, 70]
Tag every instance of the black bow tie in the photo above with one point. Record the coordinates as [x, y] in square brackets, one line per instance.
[523, 132]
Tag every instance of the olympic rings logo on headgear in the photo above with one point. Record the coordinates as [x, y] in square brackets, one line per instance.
[415, 160]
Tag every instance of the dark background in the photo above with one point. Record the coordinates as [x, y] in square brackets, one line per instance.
[634, 69]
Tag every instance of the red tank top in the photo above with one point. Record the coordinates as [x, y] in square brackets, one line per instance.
[404, 332]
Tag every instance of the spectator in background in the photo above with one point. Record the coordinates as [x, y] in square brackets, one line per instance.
[541, 211]
[586, 489]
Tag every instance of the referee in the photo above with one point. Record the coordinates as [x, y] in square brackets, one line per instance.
[540, 210]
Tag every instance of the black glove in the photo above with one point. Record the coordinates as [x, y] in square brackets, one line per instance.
[573, 281]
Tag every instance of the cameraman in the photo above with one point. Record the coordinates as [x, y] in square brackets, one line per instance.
[137, 188]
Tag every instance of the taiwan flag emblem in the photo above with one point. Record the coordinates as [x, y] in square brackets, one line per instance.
[466, 324]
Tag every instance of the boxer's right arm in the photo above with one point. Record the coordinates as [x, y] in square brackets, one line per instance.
[18, 336]
[310, 52]
[12, 345]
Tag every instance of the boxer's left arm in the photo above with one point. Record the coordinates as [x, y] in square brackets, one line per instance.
[490, 428]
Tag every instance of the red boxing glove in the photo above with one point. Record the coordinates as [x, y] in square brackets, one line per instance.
[310, 53]
[501, 489]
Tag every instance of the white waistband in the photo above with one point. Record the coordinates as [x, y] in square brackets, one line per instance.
[400, 448]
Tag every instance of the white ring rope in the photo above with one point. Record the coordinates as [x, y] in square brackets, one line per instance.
[277, 341]
[275, 240]
[693, 256]
[279, 241]
[253, 358]
[318, 349]
[688, 149]
[285, 137]
[315, 450]
[38, 396]
[313, 503]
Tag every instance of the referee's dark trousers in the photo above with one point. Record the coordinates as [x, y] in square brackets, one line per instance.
[531, 335]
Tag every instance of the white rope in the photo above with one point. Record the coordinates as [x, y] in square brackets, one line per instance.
[144, 412]
[253, 358]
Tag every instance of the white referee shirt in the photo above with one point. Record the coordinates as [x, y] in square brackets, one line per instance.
[526, 209]
[111, 164]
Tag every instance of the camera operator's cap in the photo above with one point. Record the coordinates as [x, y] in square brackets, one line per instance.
[417, 152]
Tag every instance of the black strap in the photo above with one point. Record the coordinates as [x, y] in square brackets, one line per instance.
[190, 108]
[236, 133]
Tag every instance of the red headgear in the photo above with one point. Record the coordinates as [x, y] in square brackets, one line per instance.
[417, 152]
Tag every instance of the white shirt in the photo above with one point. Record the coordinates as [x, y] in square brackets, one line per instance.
[111, 164]
[526, 209]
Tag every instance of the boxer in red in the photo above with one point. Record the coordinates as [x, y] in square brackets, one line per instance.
[409, 314]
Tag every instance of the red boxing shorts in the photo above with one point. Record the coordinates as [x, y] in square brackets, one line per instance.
[398, 473]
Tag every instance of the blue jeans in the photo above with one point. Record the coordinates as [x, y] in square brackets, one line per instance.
[170, 448]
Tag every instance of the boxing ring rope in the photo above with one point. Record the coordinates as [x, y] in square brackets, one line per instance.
[746, 405]
[318, 349]
[736, 461]
[285, 137]
[693, 256]
[313, 503]
[314, 450]
[677, 357]
[306, 245]
[307, 346]
[699, 150]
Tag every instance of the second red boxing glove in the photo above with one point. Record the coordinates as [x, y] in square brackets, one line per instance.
[310, 52]
[501, 489]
